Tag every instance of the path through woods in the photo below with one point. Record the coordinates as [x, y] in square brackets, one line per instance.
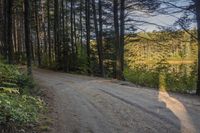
[94, 105]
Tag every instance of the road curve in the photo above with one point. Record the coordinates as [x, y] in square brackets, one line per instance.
[94, 105]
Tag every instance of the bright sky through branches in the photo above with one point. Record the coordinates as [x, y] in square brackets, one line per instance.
[166, 20]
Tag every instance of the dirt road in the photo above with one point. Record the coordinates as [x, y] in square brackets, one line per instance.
[93, 105]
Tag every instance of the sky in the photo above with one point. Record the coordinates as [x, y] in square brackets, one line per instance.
[164, 20]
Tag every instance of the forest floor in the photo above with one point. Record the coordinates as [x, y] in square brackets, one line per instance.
[82, 104]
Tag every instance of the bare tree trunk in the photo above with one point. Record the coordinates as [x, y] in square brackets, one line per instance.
[66, 45]
[117, 42]
[32, 49]
[49, 30]
[37, 34]
[59, 36]
[73, 59]
[197, 4]
[87, 12]
[99, 48]
[81, 27]
[14, 34]
[56, 31]
[101, 35]
[44, 27]
[75, 37]
[1, 26]
[121, 46]
[5, 29]
[27, 35]
[9, 32]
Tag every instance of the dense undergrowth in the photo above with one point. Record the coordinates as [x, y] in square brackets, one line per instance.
[175, 82]
[18, 107]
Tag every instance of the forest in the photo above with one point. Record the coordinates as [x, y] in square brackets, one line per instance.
[97, 38]
[90, 37]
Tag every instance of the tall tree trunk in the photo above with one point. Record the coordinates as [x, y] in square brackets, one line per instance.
[99, 48]
[5, 28]
[43, 12]
[75, 37]
[101, 35]
[87, 13]
[27, 35]
[1, 27]
[81, 27]
[9, 32]
[59, 36]
[37, 34]
[66, 45]
[121, 46]
[117, 42]
[14, 34]
[32, 49]
[49, 30]
[64, 40]
[197, 4]
[72, 35]
[56, 31]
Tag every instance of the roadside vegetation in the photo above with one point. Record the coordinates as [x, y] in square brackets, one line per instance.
[18, 107]
[171, 55]
[178, 82]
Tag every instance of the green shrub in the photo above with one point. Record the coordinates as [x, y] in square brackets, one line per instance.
[19, 109]
[144, 78]
[11, 77]
[173, 82]
[17, 106]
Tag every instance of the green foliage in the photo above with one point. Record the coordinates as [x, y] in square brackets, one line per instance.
[11, 77]
[82, 63]
[181, 83]
[20, 109]
[17, 107]
[142, 77]
[8, 72]
[164, 60]
[9, 90]
[163, 81]
[151, 48]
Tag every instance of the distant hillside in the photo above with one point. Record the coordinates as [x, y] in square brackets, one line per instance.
[153, 47]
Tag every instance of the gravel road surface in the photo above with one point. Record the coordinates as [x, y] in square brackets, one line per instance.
[84, 104]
